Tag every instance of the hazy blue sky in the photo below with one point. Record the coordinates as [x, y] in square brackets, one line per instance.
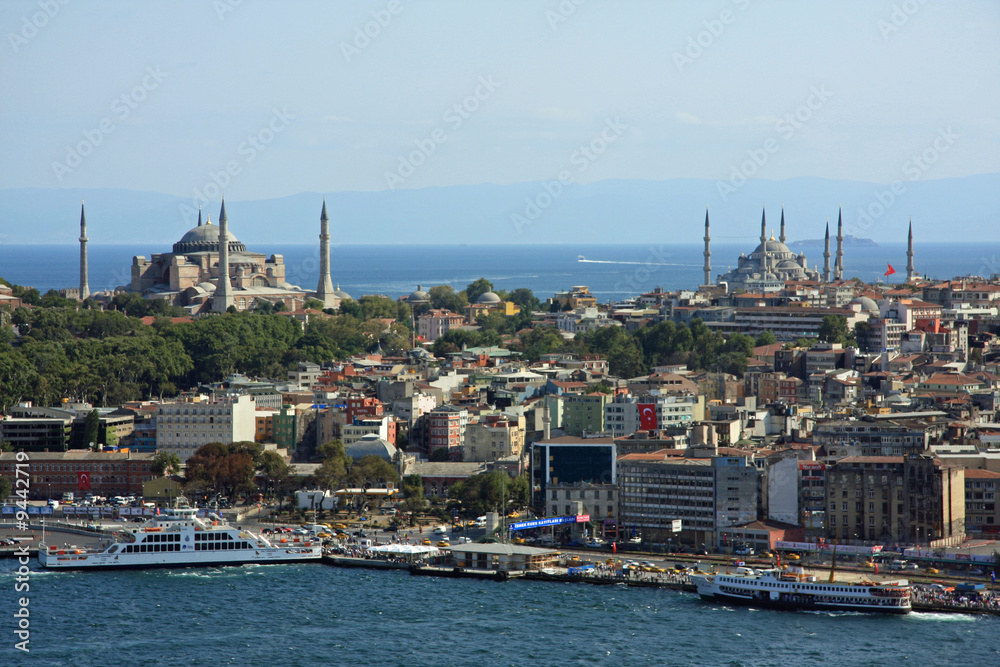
[659, 89]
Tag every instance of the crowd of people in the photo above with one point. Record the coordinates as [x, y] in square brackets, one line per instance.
[985, 600]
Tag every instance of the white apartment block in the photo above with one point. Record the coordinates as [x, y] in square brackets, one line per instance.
[182, 427]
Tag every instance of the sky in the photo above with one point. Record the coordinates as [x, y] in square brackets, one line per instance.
[268, 99]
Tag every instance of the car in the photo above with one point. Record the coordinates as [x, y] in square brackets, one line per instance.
[574, 543]
[932, 570]
[444, 543]
[978, 571]
[793, 557]
[518, 540]
[426, 542]
[463, 540]
[391, 528]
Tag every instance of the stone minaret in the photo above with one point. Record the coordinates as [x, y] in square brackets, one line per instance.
[199, 216]
[708, 252]
[838, 267]
[324, 291]
[910, 272]
[223, 288]
[781, 236]
[763, 226]
[826, 253]
[84, 277]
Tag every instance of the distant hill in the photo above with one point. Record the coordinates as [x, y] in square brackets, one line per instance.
[615, 211]
[850, 241]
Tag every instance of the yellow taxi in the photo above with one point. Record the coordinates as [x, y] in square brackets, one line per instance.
[425, 542]
[444, 543]
[518, 540]
[793, 557]
[932, 570]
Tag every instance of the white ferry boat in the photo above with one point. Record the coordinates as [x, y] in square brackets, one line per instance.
[180, 538]
[794, 590]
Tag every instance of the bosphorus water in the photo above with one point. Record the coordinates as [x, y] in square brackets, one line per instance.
[611, 271]
[312, 614]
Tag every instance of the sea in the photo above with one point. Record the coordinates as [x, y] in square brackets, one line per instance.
[315, 614]
[612, 272]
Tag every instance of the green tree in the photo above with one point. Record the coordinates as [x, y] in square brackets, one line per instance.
[525, 299]
[91, 428]
[765, 338]
[445, 296]
[834, 329]
[166, 463]
[413, 493]
[5, 488]
[477, 288]
[275, 471]
[372, 471]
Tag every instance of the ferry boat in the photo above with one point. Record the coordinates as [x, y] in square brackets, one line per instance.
[794, 590]
[180, 538]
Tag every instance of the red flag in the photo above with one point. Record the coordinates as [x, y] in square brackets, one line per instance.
[83, 481]
[889, 271]
[647, 417]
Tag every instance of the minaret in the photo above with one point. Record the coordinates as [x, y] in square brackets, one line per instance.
[838, 267]
[324, 290]
[84, 277]
[763, 226]
[223, 288]
[781, 236]
[546, 420]
[199, 216]
[826, 253]
[909, 253]
[708, 252]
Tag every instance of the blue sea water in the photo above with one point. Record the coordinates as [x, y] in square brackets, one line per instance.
[312, 614]
[611, 271]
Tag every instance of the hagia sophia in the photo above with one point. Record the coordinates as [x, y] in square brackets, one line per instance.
[188, 276]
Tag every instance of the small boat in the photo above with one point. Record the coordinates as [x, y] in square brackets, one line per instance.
[581, 258]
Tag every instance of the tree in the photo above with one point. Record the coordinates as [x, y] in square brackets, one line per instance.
[834, 330]
[477, 288]
[5, 488]
[525, 299]
[166, 463]
[765, 338]
[413, 492]
[372, 471]
[91, 428]
[445, 296]
[332, 472]
[275, 471]
[489, 491]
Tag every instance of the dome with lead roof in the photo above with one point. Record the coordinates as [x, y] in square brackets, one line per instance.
[488, 297]
[205, 238]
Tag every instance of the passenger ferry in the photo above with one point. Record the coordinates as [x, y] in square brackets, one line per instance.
[180, 538]
[792, 589]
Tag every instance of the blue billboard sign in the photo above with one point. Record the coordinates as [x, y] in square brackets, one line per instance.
[554, 521]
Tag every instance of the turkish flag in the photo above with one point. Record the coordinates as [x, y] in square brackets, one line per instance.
[647, 417]
[889, 271]
[83, 481]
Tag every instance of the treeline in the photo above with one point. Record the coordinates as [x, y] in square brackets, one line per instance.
[108, 357]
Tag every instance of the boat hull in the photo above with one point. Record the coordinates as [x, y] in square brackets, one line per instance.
[93, 561]
[801, 605]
